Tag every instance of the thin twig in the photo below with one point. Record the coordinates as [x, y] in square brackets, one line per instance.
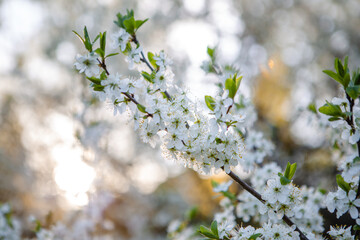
[253, 192]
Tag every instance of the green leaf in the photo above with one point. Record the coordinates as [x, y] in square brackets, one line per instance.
[287, 170]
[98, 88]
[229, 195]
[254, 236]
[138, 23]
[151, 59]
[103, 75]
[346, 60]
[210, 102]
[38, 226]
[346, 80]
[214, 228]
[87, 41]
[211, 53]
[312, 107]
[283, 180]
[94, 80]
[333, 76]
[130, 25]
[82, 40]
[353, 91]
[356, 228]
[292, 171]
[207, 232]
[342, 184]
[230, 86]
[191, 213]
[339, 67]
[356, 159]
[356, 77]
[322, 191]
[96, 38]
[103, 41]
[100, 52]
[214, 183]
[331, 110]
[111, 54]
[332, 119]
[147, 76]
[141, 108]
[121, 18]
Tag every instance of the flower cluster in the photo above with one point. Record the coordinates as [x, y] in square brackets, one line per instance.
[9, 227]
[349, 132]
[219, 139]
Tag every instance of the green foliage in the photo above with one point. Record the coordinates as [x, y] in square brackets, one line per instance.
[86, 40]
[152, 60]
[191, 213]
[331, 110]
[148, 77]
[288, 174]
[312, 107]
[210, 102]
[351, 85]
[342, 184]
[141, 108]
[211, 53]
[211, 233]
[255, 236]
[232, 84]
[128, 22]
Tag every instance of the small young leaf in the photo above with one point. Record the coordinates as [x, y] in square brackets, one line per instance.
[346, 80]
[211, 53]
[312, 107]
[130, 25]
[210, 102]
[103, 41]
[138, 23]
[100, 52]
[292, 171]
[94, 80]
[284, 180]
[353, 91]
[254, 236]
[111, 54]
[214, 228]
[147, 76]
[207, 232]
[82, 40]
[141, 108]
[87, 41]
[331, 110]
[342, 184]
[151, 59]
[96, 38]
[287, 170]
[98, 88]
[333, 76]
[332, 119]
[231, 87]
[191, 213]
[214, 183]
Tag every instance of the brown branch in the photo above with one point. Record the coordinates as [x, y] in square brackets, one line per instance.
[253, 192]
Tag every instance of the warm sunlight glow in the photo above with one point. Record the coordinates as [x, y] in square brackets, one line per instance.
[271, 63]
[73, 176]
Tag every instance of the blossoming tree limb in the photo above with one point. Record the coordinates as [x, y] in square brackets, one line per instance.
[218, 136]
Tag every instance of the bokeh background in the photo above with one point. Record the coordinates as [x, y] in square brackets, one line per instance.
[64, 156]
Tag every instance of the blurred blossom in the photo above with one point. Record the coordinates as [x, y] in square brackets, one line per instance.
[339, 42]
